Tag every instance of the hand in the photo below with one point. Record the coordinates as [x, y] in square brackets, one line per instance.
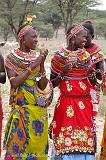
[91, 70]
[99, 74]
[66, 68]
[36, 63]
[44, 54]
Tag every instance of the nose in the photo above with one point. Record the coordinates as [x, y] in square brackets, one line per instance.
[85, 40]
[36, 40]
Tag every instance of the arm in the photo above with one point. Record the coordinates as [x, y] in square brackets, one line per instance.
[55, 79]
[99, 69]
[2, 71]
[18, 80]
[42, 83]
[100, 65]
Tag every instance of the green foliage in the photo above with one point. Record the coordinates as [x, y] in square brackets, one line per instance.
[46, 31]
[69, 9]
[100, 30]
[53, 18]
[14, 12]
[5, 31]
[51, 14]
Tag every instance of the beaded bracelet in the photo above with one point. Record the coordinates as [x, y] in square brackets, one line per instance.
[60, 76]
[29, 69]
[43, 74]
[11, 78]
[2, 73]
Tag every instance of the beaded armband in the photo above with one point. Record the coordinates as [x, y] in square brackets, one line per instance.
[41, 75]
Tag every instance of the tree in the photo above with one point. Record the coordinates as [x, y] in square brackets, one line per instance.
[53, 18]
[69, 9]
[4, 30]
[100, 30]
[15, 11]
[45, 30]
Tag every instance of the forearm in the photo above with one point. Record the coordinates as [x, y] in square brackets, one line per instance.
[43, 81]
[56, 81]
[19, 80]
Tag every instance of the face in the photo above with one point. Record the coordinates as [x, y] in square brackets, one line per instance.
[80, 39]
[30, 39]
[89, 40]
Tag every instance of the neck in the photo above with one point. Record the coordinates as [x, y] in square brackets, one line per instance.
[89, 46]
[71, 47]
[24, 49]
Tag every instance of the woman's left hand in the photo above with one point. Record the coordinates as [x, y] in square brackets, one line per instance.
[99, 74]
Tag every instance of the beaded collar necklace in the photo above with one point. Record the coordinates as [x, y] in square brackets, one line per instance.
[32, 55]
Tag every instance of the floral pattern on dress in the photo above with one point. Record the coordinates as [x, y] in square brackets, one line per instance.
[70, 140]
[81, 104]
[38, 126]
[83, 85]
[15, 148]
[31, 157]
[68, 86]
[20, 134]
[70, 111]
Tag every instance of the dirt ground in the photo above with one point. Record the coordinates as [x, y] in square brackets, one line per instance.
[52, 45]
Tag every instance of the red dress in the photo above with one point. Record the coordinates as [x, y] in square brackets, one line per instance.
[72, 124]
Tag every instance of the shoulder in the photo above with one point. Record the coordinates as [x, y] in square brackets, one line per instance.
[98, 49]
[62, 53]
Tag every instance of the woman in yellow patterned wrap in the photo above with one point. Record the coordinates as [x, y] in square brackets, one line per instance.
[31, 92]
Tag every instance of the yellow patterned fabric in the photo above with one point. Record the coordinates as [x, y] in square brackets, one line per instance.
[26, 133]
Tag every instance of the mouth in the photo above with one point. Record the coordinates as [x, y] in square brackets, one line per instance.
[83, 44]
[35, 44]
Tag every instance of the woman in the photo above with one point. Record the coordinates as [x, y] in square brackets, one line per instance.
[2, 80]
[96, 57]
[72, 125]
[98, 64]
[27, 128]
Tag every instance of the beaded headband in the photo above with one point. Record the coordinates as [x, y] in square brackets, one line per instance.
[74, 31]
[23, 31]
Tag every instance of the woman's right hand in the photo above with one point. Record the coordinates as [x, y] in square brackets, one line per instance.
[36, 62]
[66, 68]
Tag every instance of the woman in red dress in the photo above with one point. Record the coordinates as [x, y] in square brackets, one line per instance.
[72, 124]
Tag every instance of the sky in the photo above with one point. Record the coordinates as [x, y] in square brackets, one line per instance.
[102, 6]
